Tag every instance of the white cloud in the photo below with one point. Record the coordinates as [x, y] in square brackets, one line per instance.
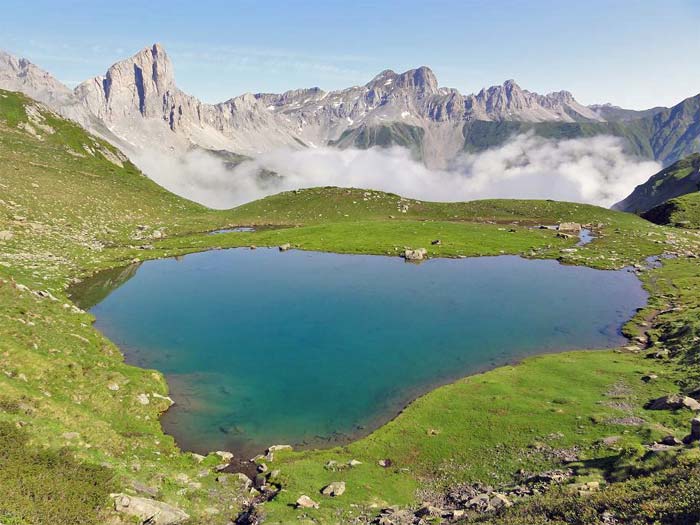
[593, 170]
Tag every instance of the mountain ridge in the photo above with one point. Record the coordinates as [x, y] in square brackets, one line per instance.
[138, 105]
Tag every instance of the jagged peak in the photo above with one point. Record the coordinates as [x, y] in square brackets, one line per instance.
[381, 78]
[155, 54]
[421, 79]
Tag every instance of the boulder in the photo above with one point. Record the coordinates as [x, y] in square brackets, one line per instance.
[671, 441]
[276, 448]
[572, 227]
[149, 511]
[245, 480]
[419, 254]
[694, 431]
[284, 247]
[305, 502]
[428, 510]
[673, 402]
[142, 399]
[499, 501]
[436, 242]
[354, 463]
[224, 455]
[337, 488]
[6, 235]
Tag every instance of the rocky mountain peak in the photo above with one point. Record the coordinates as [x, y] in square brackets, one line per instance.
[422, 79]
[140, 82]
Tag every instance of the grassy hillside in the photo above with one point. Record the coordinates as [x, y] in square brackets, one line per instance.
[77, 423]
[678, 179]
[683, 212]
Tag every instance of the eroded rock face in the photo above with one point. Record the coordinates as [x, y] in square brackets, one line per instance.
[149, 511]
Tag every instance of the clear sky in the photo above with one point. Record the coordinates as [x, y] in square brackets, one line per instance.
[632, 53]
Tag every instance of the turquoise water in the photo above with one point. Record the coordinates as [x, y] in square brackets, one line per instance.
[261, 347]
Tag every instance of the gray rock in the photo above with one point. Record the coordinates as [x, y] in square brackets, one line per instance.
[305, 502]
[569, 227]
[337, 488]
[673, 402]
[499, 501]
[224, 455]
[418, 254]
[284, 247]
[148, 511]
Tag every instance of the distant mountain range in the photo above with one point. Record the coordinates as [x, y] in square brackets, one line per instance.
[137, 105]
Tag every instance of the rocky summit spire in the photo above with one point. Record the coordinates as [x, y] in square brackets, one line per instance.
[136, 83]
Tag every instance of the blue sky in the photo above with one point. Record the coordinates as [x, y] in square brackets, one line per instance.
[632, 53]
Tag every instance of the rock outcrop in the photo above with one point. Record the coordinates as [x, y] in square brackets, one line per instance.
[149, 511]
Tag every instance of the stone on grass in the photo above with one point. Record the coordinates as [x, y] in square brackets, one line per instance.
[572, 227]
[149, 511]
[337, 488]
[284, 247]
[245, 480]
[499, 501]
[142, 399]
[354, 463]
[305, 502]
[673, 402]
[276, 448]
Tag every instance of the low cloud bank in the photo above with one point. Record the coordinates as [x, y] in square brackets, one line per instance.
[594, 170]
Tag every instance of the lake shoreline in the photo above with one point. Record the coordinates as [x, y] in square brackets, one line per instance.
[344, 438]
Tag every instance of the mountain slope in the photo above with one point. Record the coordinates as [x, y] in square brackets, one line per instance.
[18, 74]
[678, 179]
[617, 114]
[683, 212]
[675, 132]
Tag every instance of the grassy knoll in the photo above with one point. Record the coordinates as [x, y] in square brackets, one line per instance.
[75, 417]
[683, 212]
